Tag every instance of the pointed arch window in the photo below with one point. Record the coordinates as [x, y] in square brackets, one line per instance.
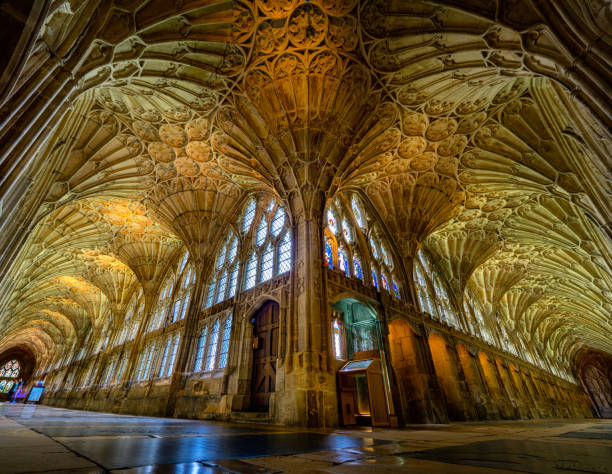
[249, 215]
[266, 241]
[225, 272]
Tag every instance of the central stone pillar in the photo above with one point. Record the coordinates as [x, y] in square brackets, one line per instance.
[306, 393]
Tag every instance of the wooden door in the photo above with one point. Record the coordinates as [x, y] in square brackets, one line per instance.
[265, 327]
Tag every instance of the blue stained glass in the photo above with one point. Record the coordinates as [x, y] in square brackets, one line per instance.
[329, 255]
[357, 268]
[374, 279]
[396, 290]
[385, 284]
[343, 262]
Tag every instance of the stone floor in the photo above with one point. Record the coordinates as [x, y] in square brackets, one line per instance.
[43, 439]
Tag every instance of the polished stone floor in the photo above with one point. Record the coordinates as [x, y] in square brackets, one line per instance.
[43, 439]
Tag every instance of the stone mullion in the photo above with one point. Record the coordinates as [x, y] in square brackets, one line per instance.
[140, 335]
[188, 341]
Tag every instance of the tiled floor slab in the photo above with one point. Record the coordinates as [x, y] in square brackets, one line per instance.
[526, 456]
[44, 439]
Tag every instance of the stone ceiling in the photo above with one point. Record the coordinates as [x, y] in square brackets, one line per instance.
[133, 130]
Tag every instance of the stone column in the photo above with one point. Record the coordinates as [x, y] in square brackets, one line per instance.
[308, 397]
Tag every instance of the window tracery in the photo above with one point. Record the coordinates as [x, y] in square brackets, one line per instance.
[10, 369]
[347, 238]
[213, 345]
[266, 247]
[173, 300]
[431, 291]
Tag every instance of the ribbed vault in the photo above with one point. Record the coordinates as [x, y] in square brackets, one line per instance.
[476, 130]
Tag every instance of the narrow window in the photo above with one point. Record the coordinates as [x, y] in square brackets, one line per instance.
[221, 289]
[212, 347]
[266, 264]
[200, 352]
[262, 232]
[278, 222]
[248, 217]
[227, 329]
[332, 223]
[233, 281]
[357, 213]
[251, 272]
[173, 356]
[357, 267]
[329, 254]
[284, 254]
[211, 293]
[176, 310]
[164, 358]
[337, 339]
[343, 262]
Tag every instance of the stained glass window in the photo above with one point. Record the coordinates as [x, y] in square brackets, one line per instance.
[332, 223]
[212, 347]
[374, 279]
[329, 255]
[10, 369]
[342, 261]
[385, 284]
[396, 291]
[346, 231]
[374, 248]
[227, 329]
[357, 267]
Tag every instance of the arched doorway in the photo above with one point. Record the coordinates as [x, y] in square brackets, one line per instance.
[265, 352]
